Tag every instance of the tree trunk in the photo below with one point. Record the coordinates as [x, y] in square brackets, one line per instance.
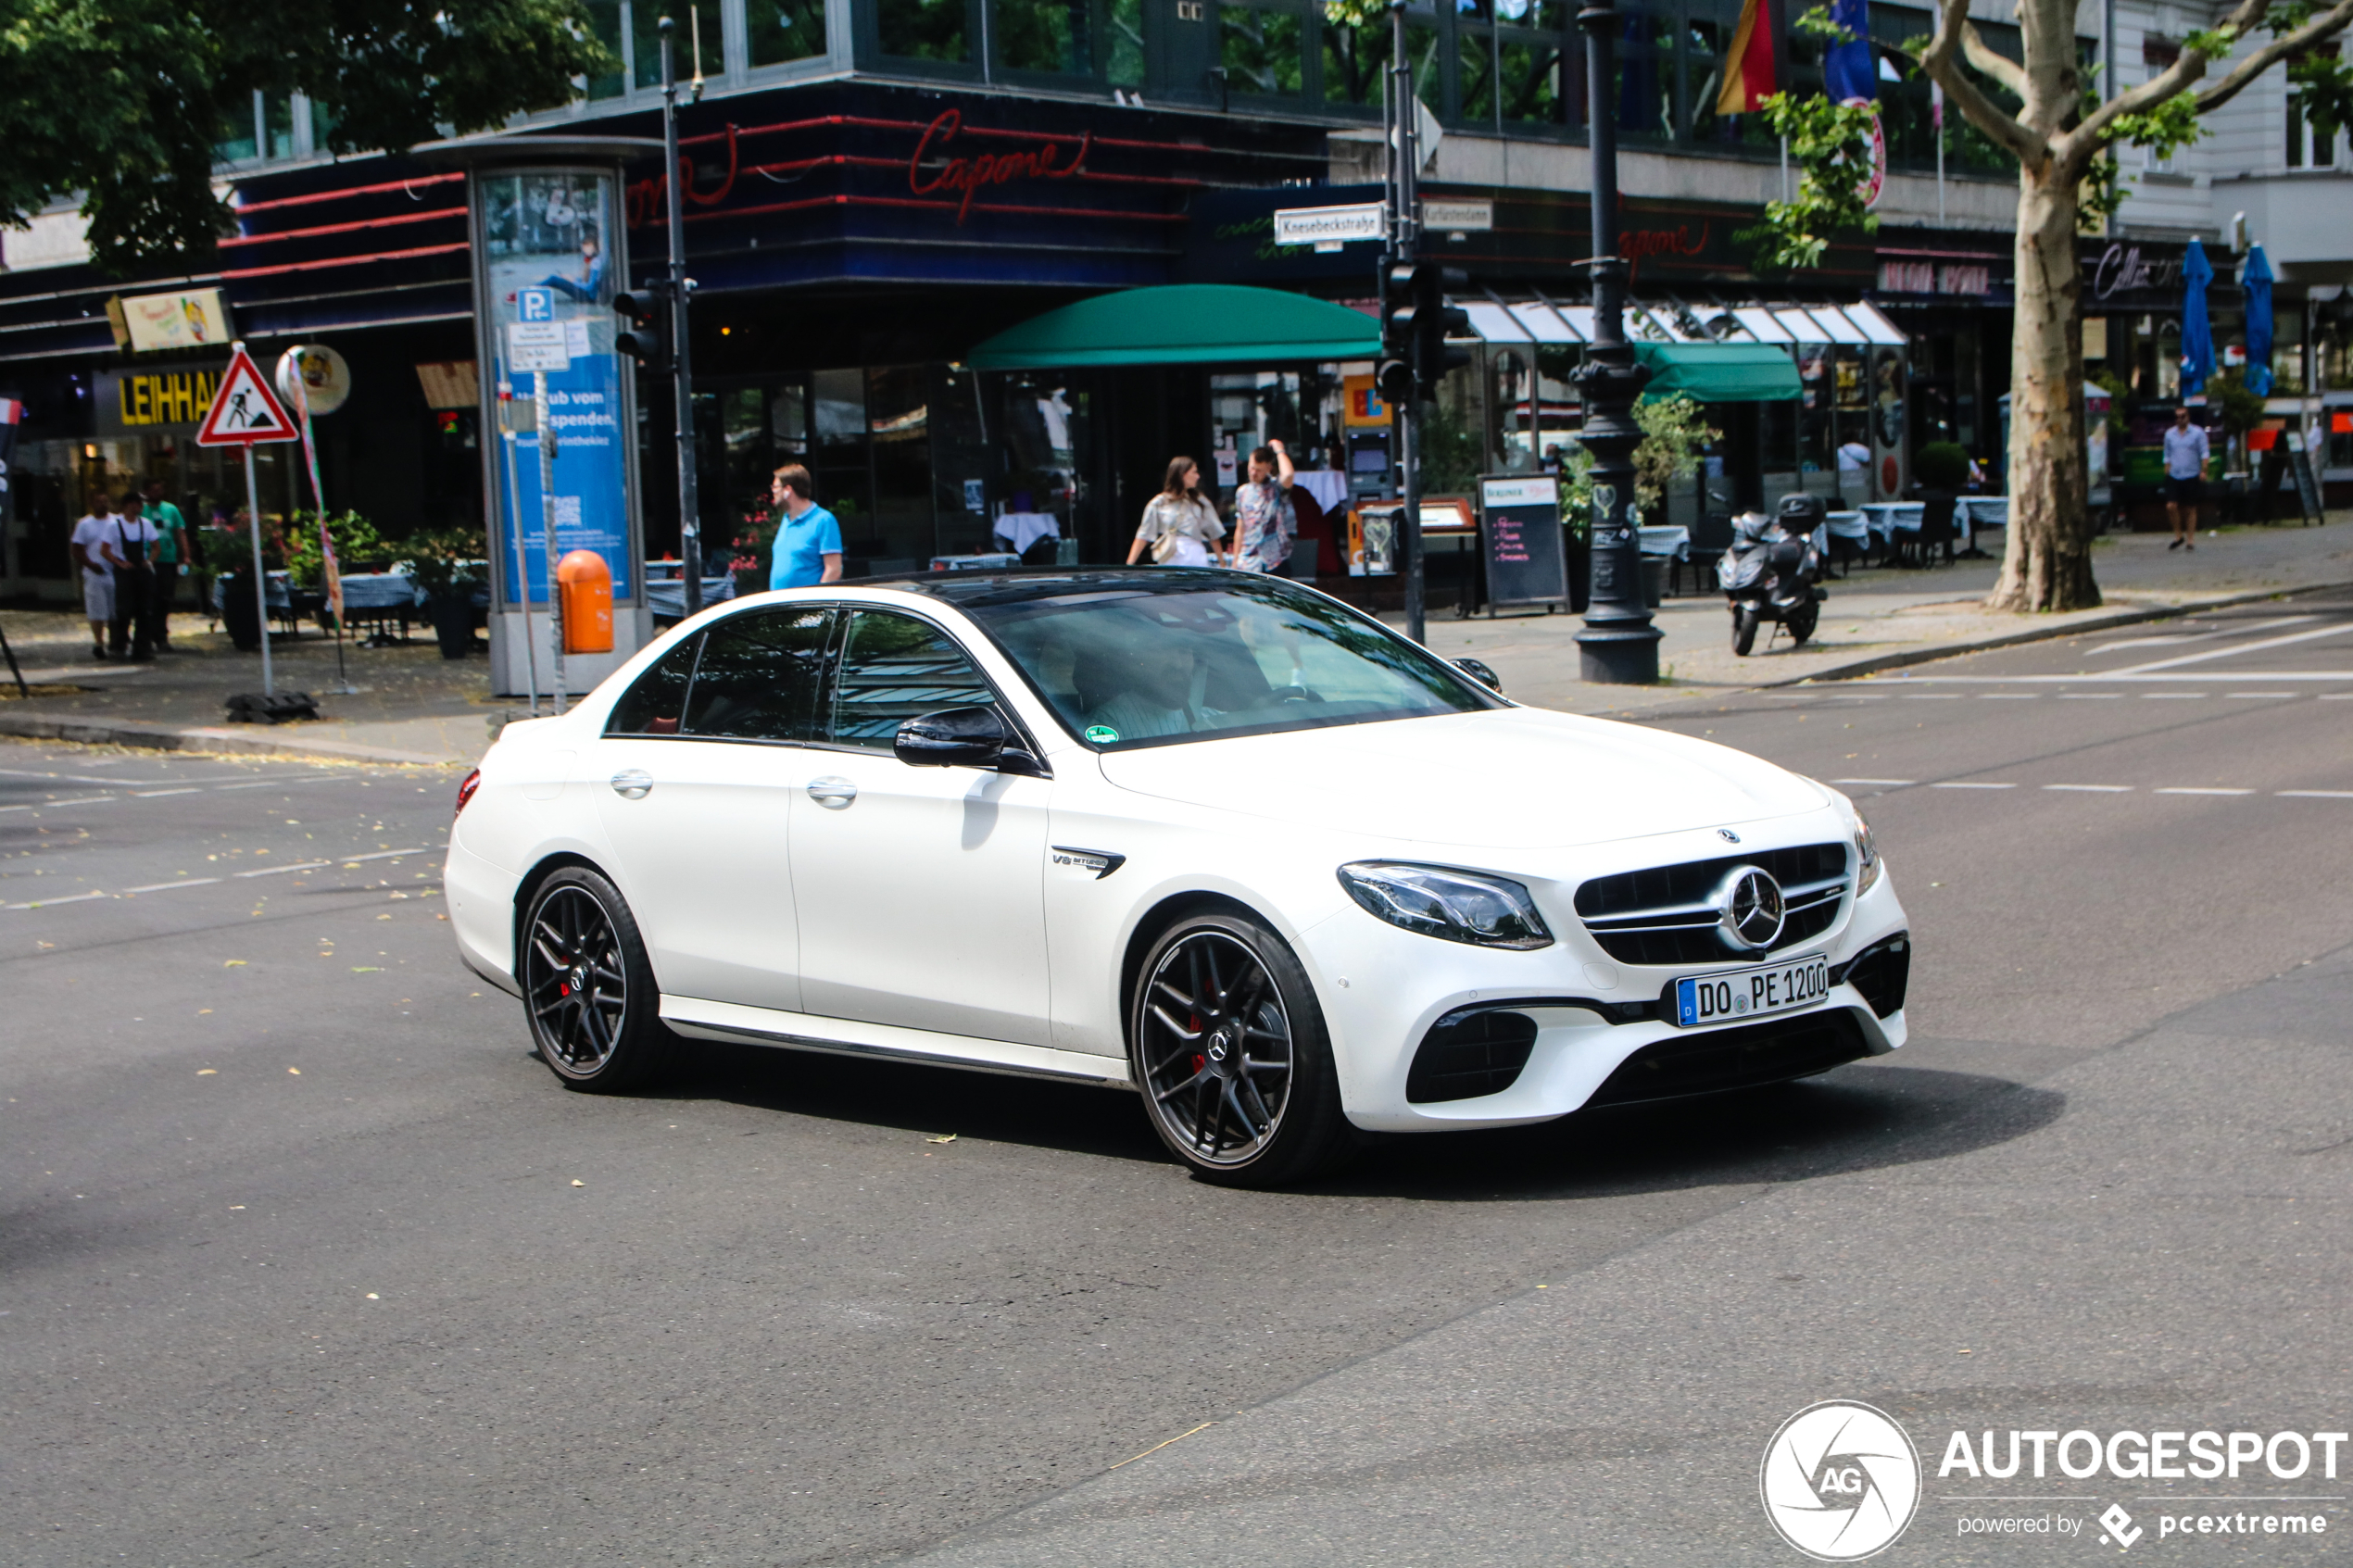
[2048, 562]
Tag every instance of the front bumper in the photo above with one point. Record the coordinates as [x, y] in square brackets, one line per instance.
[1602, 1031]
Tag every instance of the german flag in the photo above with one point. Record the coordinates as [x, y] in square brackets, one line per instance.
[1748, 66]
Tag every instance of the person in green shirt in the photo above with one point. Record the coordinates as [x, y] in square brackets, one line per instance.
[171, 553]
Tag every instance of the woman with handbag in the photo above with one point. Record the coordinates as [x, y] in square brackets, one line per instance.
[1180, 527]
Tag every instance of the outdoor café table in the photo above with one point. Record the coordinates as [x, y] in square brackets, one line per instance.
[375, 599]
[1852, 527]
[1670, 545]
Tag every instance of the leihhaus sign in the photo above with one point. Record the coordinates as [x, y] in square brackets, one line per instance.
[158, 402]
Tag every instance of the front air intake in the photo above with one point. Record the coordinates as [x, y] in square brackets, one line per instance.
[1468, 1053]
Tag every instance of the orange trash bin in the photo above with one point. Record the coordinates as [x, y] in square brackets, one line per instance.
[586, 582]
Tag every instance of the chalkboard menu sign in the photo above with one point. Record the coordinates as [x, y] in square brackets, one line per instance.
[2307, 489]
[1519, 540]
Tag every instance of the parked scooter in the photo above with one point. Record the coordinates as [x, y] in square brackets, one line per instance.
[1774, 571]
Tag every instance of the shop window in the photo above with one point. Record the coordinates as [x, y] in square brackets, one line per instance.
[923, 30]
[1126, 41]
[604, 24]
[278, 124]
[1528, 65]
[776, 31]
[899, 424]
[1046, 421]
[1710, 27]
[1261, 49]
[646, 36]
[239, 140]
[1356, 58]
[323, 125]
[838, 430]
[961, 463]
[1044, 35]
[1645, 60]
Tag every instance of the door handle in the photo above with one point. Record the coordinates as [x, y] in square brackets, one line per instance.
[832, 792]
[633, 784]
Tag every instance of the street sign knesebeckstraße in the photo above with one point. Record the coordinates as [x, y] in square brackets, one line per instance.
[244, 411]
[1332, 225]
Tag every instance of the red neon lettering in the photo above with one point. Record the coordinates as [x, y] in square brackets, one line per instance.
[967, 176]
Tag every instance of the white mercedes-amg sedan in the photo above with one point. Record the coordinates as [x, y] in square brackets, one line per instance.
[1212, 837]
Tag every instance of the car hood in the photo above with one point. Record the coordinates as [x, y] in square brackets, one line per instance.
[1519, 777]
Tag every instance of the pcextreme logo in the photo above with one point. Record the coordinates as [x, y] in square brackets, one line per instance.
[1841, 1480]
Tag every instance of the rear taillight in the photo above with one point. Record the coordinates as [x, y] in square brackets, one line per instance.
[466, 792]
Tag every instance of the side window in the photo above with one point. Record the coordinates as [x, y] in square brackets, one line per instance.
[760, 676]
[892, 668]
[652, 706]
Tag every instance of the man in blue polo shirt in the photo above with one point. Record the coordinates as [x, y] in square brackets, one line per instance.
[808, 537]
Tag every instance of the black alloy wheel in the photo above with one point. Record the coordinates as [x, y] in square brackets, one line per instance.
[1232, 1056]
[589, 987]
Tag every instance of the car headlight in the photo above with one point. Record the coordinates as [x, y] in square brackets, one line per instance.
[1866, 857]
[1488, 911]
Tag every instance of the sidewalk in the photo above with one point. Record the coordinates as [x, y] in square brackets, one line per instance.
[412, 706]
[1882, 618]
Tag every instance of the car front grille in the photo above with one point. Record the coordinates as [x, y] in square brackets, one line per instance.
[1661, 916]
[1734, 1058]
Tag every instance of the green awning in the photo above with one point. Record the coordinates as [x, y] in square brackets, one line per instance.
[1183, 324]
[1720, 373]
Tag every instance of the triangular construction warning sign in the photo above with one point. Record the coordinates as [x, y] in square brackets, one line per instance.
[244, 411]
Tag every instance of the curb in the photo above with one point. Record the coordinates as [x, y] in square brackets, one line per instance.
[1929, 652]
[167, 737]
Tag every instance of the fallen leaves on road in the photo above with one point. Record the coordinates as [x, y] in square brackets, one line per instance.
[578, 1183]
[208, 1072]
[944, 1138]
[296, 1070]
[367, 969]
[232, 964]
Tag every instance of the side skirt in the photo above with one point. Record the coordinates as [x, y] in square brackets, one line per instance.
[843, 1036]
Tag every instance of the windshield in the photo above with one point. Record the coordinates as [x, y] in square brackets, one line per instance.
[1126, 666]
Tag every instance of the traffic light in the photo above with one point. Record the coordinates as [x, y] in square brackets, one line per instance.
[1394, 379]
[646, 336]
[1432, 319]
[1397, 299]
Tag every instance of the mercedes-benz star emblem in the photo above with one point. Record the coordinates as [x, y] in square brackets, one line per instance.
[1749, 906]
[1728, 835]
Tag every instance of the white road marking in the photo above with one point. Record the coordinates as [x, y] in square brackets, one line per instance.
[2089, 696]
[151, 793]
[1933, 697]
[2013, 697]
[2339, 630]
[2254, 695]
[75, 898]
[2190, 790]
[1972, 786]
[2095, 789]
[2178, 639]
[83, 800]
[2160, 697]
[168, 887]
[392, 854]
[264, 784]
[2320, 794]
[1892, 784]
[281, 871]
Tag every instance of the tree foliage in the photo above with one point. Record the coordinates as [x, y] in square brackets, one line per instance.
[123, 101]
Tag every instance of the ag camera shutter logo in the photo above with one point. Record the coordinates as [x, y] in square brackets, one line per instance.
[1841, 1480]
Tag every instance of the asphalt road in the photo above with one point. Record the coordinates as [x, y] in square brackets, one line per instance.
[307, 1260]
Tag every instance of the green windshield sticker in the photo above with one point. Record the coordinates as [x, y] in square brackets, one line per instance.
[1102, 734]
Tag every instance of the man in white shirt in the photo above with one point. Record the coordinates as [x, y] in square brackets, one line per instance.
[97, 572]
[2185, 450]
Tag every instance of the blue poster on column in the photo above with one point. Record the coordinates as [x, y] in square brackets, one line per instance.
[548, 237]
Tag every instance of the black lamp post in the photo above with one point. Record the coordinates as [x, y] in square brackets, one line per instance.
[679, 292]
[1619, 645]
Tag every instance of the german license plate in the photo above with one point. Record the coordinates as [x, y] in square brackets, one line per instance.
[1734, 996]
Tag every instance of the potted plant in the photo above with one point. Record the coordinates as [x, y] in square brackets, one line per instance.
[445, 563]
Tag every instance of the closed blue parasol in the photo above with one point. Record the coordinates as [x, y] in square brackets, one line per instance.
[2197, 333]
[2257, 279]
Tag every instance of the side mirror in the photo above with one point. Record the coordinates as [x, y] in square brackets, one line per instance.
[953, 738]
[1480, 670]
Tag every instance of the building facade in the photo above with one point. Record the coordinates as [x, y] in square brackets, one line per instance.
[873, 187]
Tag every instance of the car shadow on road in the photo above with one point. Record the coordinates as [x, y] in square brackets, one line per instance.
[1866, 1116]
[1861, 1117]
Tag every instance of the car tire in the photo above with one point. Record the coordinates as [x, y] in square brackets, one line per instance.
[1257, 1104]
[1744, 620]
[588, 988]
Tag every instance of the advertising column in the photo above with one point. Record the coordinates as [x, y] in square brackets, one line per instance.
[549, 258]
